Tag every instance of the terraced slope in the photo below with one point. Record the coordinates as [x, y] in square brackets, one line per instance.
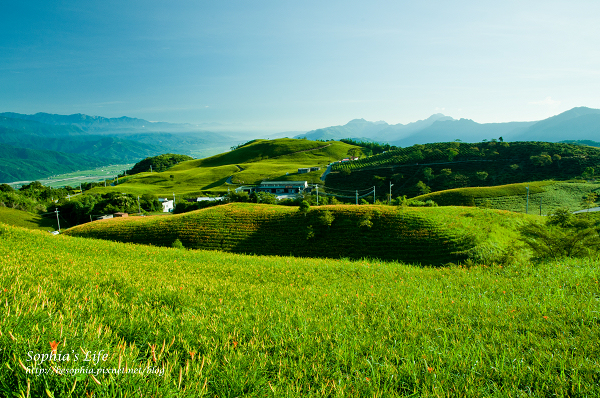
[451, 165]
[428, 236]
[550, 194]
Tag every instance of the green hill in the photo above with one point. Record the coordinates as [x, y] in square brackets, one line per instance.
[19, 218]
[426, 235]
[550, 195]
[251, 163]
[442, 166]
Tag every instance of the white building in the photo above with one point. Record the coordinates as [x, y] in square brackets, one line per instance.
[167, 205]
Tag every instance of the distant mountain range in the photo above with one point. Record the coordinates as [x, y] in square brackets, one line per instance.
[35, 146]
[577, 124]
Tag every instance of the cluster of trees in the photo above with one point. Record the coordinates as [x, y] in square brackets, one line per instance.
[370, 148]
[90, 206]
[158, 163]
[33, 197]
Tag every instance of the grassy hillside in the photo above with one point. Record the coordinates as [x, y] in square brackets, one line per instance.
[513, 197]
[24, 219]
[250, 164]
[218, 324]
[426, 235]
[458, 165]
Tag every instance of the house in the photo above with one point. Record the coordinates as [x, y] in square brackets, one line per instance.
[282, 187]
[119, 214]
[167, 205]
[303, 170]
[104, 217]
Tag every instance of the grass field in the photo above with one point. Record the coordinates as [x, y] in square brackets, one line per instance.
[75, 178]
[227, 325]
[261, 160]
[513, 197]
[24, 219]
[427, 235]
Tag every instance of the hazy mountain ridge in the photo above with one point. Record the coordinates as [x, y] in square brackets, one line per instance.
[18, 164]
[579, 123]
[101, 140]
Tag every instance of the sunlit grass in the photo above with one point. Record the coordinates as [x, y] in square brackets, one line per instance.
[234, 325]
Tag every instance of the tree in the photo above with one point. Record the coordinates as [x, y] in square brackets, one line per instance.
[422, 188]
[588, 173]
[482, 175]
[541, 160]
[327, 218]
[428, 173]
[353, 152]
[590, 199]
[6, 188]
[452, 153]
[304, 207]
[563, 235]
[263, 197]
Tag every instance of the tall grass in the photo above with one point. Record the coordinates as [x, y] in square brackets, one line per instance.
[227, 325]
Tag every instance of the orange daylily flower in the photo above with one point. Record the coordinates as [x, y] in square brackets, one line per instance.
[54, 346]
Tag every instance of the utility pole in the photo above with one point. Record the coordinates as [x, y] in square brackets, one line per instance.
[117, 179]
[540, 206]
[57, 220]
[357, 196]
[105, 183]
[150, 168]
[373, 194]
[390, 198]
[527, 205]
[317, 195]
[173, 202]
[139, 209]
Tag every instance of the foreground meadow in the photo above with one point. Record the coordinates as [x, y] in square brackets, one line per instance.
[149, 321]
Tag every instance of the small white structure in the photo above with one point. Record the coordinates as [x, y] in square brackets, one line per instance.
[209, 199]
[167, 205]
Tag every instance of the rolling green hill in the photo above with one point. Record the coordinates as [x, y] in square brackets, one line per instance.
[19, 218]
[513, 197]
[429, 236]
[249, 164]
[449, 165]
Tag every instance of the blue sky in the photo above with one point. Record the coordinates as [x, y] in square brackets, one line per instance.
[291, 65]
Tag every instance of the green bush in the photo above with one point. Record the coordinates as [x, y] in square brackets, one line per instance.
[563, 235]
[177, 244]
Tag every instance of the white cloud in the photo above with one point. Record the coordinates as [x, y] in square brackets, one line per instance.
[545, 101]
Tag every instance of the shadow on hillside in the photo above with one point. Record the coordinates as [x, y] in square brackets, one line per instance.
[353, 234]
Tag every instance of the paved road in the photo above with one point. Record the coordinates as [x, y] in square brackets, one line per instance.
[586, 210]
[326, 172]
